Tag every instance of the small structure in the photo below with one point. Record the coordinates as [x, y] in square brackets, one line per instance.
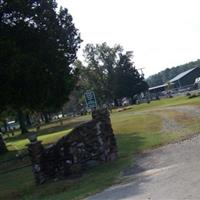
[157, 89]
[186, 79]
[197, 82]
[182, 81]
[87, 145]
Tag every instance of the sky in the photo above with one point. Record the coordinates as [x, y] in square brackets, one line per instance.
[161, 33]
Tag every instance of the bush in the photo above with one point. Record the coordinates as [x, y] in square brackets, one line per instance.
[192, 96]
[188, 94]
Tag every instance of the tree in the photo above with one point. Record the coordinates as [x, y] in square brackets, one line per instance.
[38, 46]
[76, 103]
[3, 122]
[101, 61]
[111, 73]
[127, 80]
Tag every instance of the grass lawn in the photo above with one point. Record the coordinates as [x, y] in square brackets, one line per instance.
[138, 128]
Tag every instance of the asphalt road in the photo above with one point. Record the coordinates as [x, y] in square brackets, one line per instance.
[171, 172]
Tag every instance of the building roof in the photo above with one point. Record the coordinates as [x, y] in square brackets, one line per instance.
[181, 75]
[176, 78]
[157, 87]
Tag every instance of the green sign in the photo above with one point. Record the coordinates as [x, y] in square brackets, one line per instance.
[90, 99]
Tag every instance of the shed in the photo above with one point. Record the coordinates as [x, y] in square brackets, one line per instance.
[186, 78]
[159, 88]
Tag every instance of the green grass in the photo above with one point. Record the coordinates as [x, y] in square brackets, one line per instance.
[47, 139]
[137, 128]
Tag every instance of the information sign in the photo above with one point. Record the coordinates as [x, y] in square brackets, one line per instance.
[90, 99]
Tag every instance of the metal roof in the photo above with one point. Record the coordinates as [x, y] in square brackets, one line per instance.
[156, 87]
[176, 78]
[181, 75]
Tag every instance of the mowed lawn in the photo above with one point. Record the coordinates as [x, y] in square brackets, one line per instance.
[137, 128]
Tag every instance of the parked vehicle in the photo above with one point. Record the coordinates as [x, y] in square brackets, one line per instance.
[12, 125]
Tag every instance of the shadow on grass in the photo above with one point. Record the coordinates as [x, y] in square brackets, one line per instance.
[48, 130]
[129, 143]
[91, 181]
[10, 155]
[58, 128]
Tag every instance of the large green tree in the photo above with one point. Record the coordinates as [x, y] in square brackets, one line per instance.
[127, 80]
[101, 61]
[38, 44]
[110, 72]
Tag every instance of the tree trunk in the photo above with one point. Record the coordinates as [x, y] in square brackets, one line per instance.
[46, 117]
[133, 100]
[28, 120]
[116, 103]
[42, 117]
[22, 123]
[5, 125]
[3, 147]
[63, 113]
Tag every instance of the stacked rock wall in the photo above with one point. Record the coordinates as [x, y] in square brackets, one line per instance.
[88, 144]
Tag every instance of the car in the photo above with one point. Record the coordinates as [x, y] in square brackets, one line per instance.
[12, 125]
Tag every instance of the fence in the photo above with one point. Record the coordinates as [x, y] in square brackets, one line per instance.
[6, 165]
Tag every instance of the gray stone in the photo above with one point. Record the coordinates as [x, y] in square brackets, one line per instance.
[85, 146]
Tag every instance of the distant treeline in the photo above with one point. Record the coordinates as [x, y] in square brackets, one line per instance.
[167, 74]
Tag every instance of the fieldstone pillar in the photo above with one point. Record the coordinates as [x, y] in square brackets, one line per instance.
[3, 147]
[36, 151]
[105, 134]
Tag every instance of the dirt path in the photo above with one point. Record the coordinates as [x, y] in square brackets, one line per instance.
[171, 172]
[190, 110]
[170, 125]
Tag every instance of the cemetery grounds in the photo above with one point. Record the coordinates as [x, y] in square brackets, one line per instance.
[137, 128]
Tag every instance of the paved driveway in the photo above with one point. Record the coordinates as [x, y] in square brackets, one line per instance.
[171, 172]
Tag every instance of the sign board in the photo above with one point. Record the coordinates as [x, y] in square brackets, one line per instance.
[90, 99]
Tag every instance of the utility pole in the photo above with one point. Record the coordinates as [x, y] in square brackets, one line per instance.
[141, 71]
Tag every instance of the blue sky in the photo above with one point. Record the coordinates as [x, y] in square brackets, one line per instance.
[161, 33]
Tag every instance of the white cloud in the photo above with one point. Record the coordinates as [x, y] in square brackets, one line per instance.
[162, 33]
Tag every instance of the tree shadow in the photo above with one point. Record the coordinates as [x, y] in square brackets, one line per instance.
[129, 145]
[58, 128]
[48, 130]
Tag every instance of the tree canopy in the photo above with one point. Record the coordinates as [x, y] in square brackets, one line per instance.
[127, 80]
[101, 61]
[38, 45]
[110, 73]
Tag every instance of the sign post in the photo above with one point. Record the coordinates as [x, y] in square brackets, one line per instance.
[90, 99]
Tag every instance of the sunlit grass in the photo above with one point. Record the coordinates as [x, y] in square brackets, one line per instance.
[46, 139]
[137, 128]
